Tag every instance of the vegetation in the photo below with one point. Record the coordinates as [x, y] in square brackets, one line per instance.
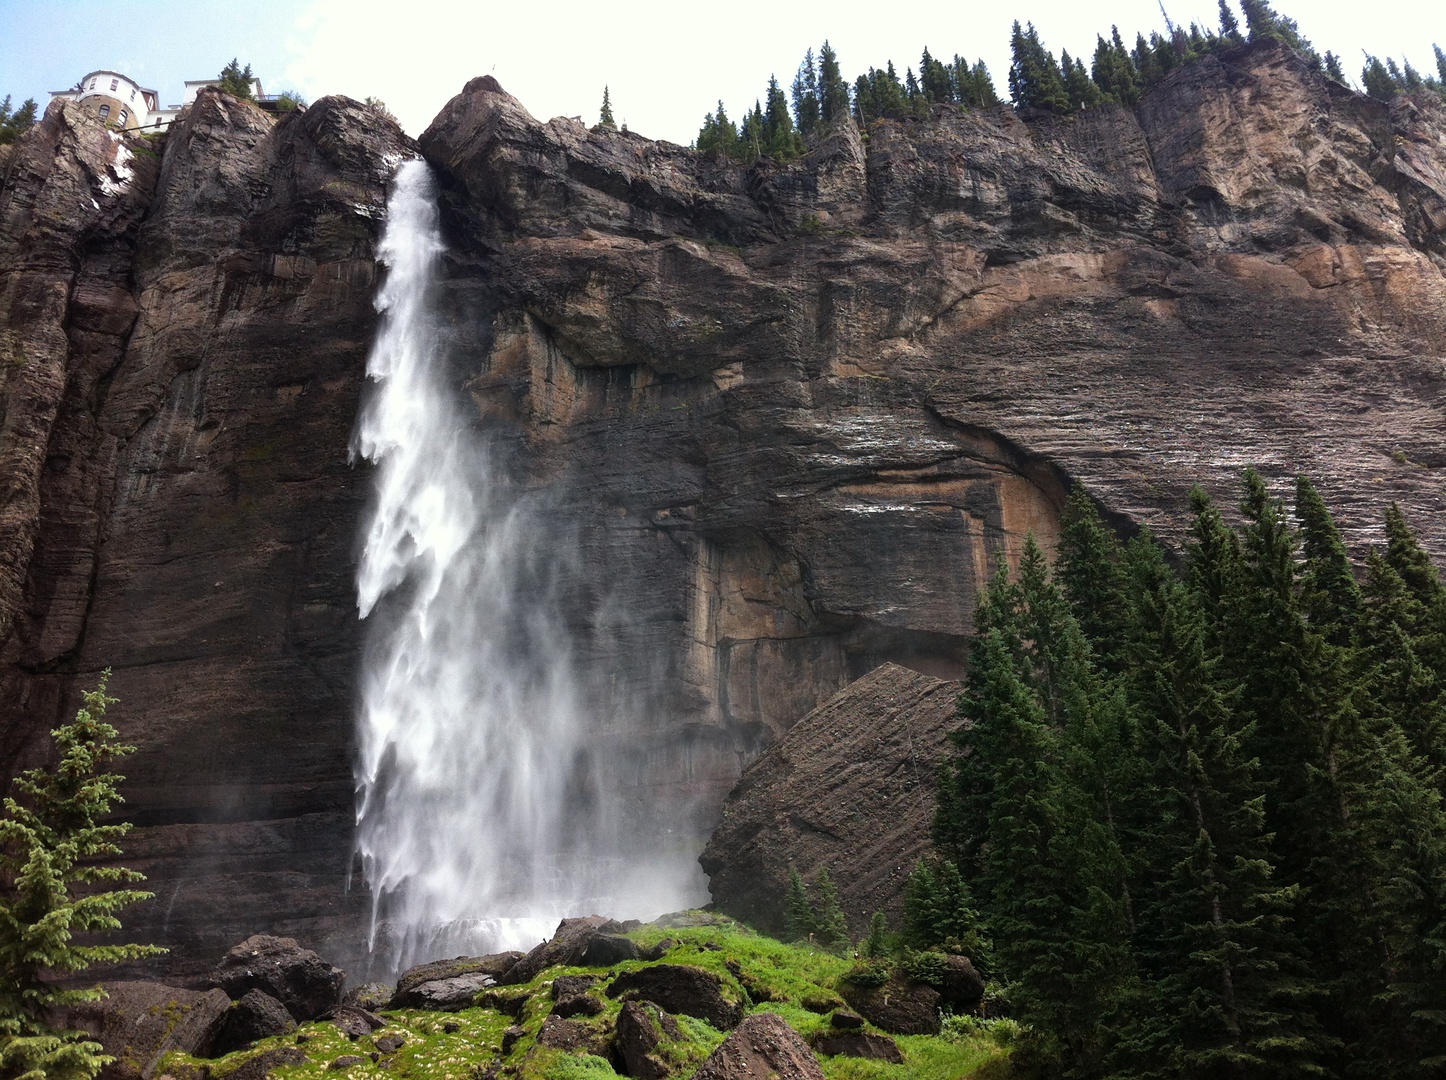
[15, 123]
[1201, 808]
[289, 101]
[52, 887]
[605, 114]
[1118, 73]
[236, 80]
[797, 982]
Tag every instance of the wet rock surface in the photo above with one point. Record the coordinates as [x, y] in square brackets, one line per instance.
[305, 984]
[859, 1044]
[640, 1032]
[442, 984]
[763, 1047]
[899, 1007]
[257, 1015]
[680, 988]
[140, 1022]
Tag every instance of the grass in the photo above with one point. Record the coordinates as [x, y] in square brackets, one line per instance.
[798, 981]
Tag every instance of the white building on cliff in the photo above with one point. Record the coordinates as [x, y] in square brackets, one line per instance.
[123, 103]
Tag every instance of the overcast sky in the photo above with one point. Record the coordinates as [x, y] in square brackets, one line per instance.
[667, 63]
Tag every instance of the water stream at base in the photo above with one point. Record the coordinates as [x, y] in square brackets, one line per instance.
[483, 805]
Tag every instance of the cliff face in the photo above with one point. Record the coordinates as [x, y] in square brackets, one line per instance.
[186, 329]
[783, 415]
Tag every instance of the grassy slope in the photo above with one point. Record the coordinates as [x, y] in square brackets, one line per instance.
[791, 975]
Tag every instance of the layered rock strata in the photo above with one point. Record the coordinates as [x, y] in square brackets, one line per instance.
[780, 418]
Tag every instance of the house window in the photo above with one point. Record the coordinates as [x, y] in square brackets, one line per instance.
[104, 111]
[92, 84]
[133, 95]
[123, 115]
[158, 121]
[114, 83]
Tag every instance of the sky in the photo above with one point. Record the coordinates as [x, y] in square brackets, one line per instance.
[666, 63]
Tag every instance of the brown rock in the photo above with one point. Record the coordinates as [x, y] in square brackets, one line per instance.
[577, 1005]
[298, 978]
[510, 1037]
[851, 784]
[565, 986]
[898, 1007]
[257, 1015]
[568, 944]
[842, 1018]
[139, 1023]
[262, 1066]
[354, 1022]
[371, 996]
[641, 1030]
[763, 1047]
[859, 1044]
[450, 981]
[680, 988]
[346, 1061]
[572, 1035]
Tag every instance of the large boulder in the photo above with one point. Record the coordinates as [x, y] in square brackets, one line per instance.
[641, 1031]
[257, 1015]
[680, 988]
[570, 944]
[139, 1023]
[850, 785]
[448, 985]
[903, 1008]
[763, 1048]
[859, 1044]
[298, 978]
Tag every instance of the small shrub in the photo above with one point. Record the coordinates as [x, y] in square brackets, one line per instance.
[869, 973]
[928, 967]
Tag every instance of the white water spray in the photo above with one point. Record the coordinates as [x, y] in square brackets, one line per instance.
[483, 806]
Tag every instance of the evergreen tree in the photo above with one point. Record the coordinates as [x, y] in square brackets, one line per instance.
[1333, 67]
[17, 123]
[52, 888]
[236, 80]
[781, 141]
[1034, 78]
[1440, 63]
[605, 114]
[1377, 80]
[1080, 88]
[805, 96]
[831, 929]
[1329, 595]
[934, 79]
[876, 944]
[1225, 997]
[1114, 71]
[800, 921]
[833, 91]
[719, 135]
[1229, 25]
[1089, 570]
[1264, 22]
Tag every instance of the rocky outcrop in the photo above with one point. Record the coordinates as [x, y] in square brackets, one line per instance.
[139, 1023]
[764, 1046]
[305, 984]
[784, 415]
[680, 988]
[848, 789]
[183, 327]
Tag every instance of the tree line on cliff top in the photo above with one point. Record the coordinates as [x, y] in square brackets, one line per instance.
[1199, 803]
[781, 124]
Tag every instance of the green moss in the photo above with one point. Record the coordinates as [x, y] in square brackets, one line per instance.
[750, 966]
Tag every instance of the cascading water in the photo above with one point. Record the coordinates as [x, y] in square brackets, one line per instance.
[483, 812]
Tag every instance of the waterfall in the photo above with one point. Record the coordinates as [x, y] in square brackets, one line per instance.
[483, 805]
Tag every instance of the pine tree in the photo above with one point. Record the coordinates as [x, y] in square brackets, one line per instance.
[1114, 71]
[236, 80]
[805, 96]
[1089, 570]
[833, 91]
[1440, 63]
[831, 928]
[1080, 88]
[1034, 78]
[17, 123]
[605, 114]
[1333, 67]
[800, 921]
[51, 838]
[1229, 25]
[1329, 595]
[1223, 997]
[780, 139]
[876, 944]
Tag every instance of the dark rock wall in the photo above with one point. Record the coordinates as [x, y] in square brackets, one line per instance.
[779, 419]
[187, 323]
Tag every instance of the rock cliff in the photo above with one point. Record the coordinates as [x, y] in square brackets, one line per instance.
[783, 415]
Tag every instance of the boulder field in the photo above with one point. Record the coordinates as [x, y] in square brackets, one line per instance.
[780, 417]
